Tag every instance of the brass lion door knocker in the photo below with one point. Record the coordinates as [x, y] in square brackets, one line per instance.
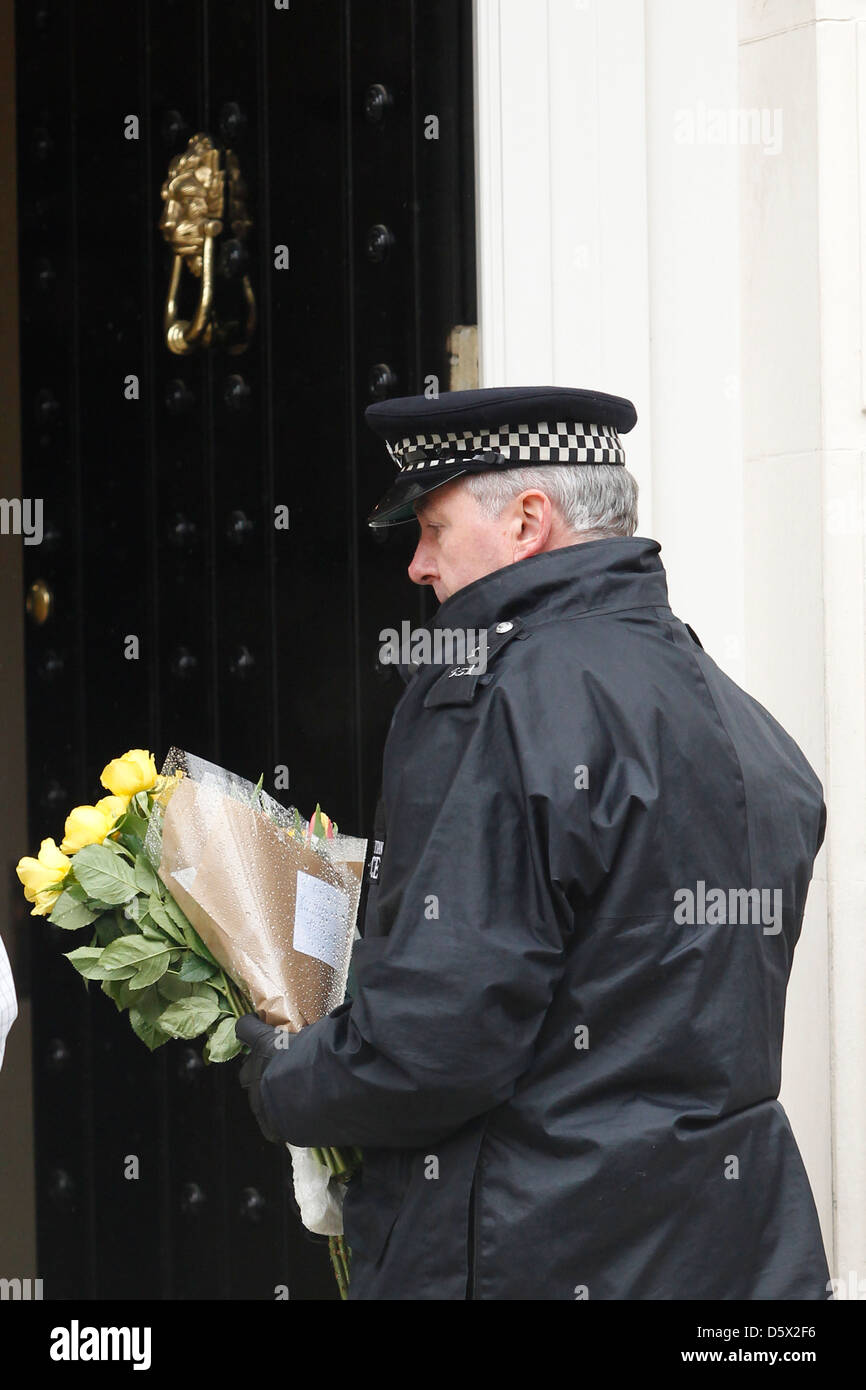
[195, 193]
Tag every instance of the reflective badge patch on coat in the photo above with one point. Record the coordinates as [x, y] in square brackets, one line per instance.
[457, 685]
[376, 858]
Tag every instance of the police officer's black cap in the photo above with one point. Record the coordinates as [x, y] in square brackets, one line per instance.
[433, 440]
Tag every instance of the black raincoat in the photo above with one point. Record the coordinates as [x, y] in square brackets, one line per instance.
[562, 1058]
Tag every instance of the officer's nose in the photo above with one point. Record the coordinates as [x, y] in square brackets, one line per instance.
[422, 570]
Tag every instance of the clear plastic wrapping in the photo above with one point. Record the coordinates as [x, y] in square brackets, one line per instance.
[275, 905]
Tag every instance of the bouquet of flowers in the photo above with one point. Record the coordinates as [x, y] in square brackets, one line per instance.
[207, 900]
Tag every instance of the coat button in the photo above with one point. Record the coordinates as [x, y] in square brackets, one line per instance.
[503, 627]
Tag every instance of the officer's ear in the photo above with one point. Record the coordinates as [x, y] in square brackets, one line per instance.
[534, 518]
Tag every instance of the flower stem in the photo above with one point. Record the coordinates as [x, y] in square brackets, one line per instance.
[339, 1259]
[339, 1162]
[238, 1005]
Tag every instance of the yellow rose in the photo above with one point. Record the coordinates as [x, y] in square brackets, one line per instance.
[134, 772]
[89, 825]
[45, 902]
[166, 787]
[42, 876]
[113, 806]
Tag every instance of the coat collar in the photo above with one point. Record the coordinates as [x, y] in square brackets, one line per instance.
[619, 572]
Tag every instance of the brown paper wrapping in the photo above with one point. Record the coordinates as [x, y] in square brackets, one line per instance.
[238, 887]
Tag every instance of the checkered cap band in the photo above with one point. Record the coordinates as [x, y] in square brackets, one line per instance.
[542, 443]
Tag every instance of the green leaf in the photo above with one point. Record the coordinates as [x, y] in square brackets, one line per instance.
[117, 992]
[145, 1017]
[151, 932]
[186, 1018]
[222, 1043]
[71, 913]
[150, 970]
[172, 987]
[132, 824]
[126, 926]
[87, 961]
[130, 832]
[145, 877]
[135, 909]
[147, 1029]
[157, 911]
[255, 794]
[193, 967]
[133, 950]
[139, 805]
[191, 936]
[117, 847]
[104, 874]
[197, 945]
[107, 928]
[110, 987]
[149, 929]
[176, 913]
[132, 844]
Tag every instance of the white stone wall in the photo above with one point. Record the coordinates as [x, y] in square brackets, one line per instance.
[670, 207]
[804, 433]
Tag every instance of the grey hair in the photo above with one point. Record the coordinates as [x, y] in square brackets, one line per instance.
[600, 498]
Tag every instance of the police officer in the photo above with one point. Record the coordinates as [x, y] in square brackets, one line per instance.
[562, 1057]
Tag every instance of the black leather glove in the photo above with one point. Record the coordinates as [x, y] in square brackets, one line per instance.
[262, 1040]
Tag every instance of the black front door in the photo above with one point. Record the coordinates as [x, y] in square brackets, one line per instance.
[205, 577]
